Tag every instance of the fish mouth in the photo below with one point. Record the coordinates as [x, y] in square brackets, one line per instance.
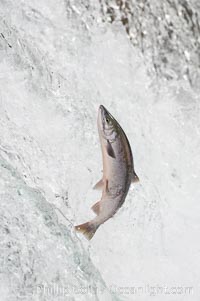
[101, 117]
[101, 114]
[103, 111]
[104, 114]
[107, 125]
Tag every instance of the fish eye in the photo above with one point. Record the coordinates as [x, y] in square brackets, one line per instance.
[107, 118]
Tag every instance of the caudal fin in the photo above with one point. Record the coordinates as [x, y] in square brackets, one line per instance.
[88, 229]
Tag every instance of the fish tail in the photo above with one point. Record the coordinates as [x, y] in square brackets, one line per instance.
[88, 229]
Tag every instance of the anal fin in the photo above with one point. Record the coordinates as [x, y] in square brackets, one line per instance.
[96, 208]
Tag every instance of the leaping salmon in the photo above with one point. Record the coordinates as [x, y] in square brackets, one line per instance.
[118, 172]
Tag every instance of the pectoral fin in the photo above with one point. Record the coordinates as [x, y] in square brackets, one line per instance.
[110, 149]
[135, 178]
[96, 208]
[98, 185]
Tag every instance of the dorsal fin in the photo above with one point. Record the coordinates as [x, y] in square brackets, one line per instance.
[135, 178]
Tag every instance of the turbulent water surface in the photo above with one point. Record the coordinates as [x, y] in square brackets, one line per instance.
[59, 60]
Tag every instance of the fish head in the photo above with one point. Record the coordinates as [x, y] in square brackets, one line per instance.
[107, 125]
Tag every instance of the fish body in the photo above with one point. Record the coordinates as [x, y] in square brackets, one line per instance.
[118, 172]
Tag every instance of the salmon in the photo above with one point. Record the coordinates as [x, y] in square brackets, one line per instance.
[118, 172]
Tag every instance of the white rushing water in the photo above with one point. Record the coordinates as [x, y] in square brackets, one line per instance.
[58, 62]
